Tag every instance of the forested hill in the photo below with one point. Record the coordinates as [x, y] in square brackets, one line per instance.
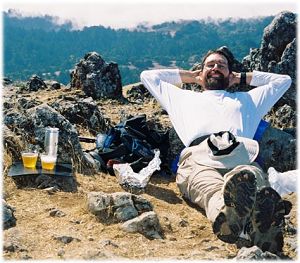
[40, 46]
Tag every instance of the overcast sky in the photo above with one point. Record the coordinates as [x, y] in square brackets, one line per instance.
[128, 13]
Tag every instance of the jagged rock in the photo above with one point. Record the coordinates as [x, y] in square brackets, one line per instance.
[9, 219]
[49, 183]
[116, 207]
[287, 65]
[31, 124]
[53, 84]
[25, 103]
[69, 148]
[84, 111]
[97, 78]
[7, 81]
[255, 253]
[12, 142]
[278, 53]
[277, 36]
[56, 213]
[66, 239]
[35, 83]
[9, 246]
[138, 92]
[283, 118]
[18, 122]
[146, 224]
[278, 150]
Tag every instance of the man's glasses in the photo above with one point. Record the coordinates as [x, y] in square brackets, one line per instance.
[219, 66]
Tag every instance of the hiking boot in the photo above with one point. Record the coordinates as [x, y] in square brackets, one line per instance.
[239, 193]
[266, 230]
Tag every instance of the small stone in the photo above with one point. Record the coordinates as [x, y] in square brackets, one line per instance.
[60, 252]
[65, 239]
[57, 213]
[183, 223]
[9, 247]
[109, 243]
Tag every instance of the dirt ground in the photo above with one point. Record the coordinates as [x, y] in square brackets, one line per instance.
[188, 234]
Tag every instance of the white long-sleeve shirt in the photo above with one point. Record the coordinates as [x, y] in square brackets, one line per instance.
[194, 114]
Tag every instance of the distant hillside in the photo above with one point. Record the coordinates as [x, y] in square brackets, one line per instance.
[38, 45]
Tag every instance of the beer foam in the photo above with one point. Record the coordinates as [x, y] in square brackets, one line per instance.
[48, 158]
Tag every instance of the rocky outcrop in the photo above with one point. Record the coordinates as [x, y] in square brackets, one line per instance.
[278, 149]
[97, 78]
[35, 83]
[135, 211]
[79, 111]
[146, 224]
[69, 148]
[9, 220]
[277, 52]
[29, 126]
[255, 253]
[138, 93]
[117, 207]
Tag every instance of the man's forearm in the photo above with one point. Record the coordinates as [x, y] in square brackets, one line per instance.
[188, 76]
[237, 78]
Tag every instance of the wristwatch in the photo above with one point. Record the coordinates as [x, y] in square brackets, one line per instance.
[243, 78]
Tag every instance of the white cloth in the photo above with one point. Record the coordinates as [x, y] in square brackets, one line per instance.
[194, 114]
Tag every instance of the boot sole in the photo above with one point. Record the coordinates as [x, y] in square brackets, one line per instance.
[228, 233]
[269, 209]
[268, 220]
[239, 196]
[240, 192]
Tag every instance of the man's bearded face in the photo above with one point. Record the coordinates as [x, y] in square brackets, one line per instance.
[216, 72]
[216, 81]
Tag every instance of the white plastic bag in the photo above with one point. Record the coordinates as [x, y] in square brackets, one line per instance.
[283, 183]
[126, 175]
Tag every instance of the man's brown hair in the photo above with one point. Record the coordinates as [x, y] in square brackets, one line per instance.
[220, 52]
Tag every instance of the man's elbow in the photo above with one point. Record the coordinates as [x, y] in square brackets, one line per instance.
[145, 75]
[288, 80]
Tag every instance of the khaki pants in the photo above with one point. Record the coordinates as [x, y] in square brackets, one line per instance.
[203, 185]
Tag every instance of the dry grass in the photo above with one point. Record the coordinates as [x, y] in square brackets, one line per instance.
[35, 233]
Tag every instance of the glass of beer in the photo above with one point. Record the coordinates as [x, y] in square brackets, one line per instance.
[29, 159]
[48, 161]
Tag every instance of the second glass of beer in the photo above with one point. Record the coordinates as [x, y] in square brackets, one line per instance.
[48, 161]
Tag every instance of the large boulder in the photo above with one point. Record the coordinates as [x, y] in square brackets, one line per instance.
[147, 224]
[83, 111]
[69, 148]
[35, 83]
[278, 149]
[277, 52]
[29, 126]
[97, 78]
[9, 220]
[117, 207]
